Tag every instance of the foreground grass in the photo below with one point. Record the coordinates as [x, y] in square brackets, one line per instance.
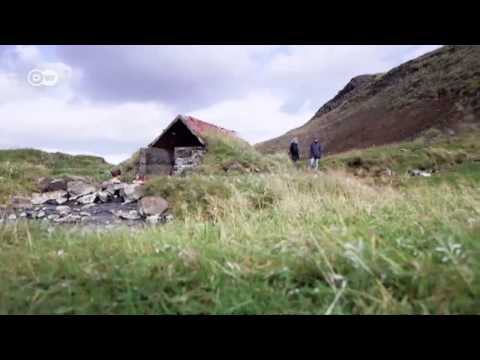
[269, 244]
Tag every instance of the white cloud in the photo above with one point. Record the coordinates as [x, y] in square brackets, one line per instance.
[256, 117]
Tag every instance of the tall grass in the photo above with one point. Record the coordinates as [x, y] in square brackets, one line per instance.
[272, 243]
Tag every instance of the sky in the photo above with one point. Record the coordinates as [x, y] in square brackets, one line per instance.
[111, 100]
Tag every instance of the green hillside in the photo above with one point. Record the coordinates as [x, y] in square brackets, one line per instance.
[19, 169]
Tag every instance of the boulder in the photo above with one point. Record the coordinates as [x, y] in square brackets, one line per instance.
[104, 196]
[133, 192]
[41, 214]
[21, 202]
[87, 199]
[63, 210]
[12, 217]
[46, 184]
[88, 206]
[152, 205]
[54, 197]
[79, 188]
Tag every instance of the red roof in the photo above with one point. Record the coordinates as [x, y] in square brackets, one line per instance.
[201, 127]
[198, 127]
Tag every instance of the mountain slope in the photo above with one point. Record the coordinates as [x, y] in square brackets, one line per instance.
[440, 89]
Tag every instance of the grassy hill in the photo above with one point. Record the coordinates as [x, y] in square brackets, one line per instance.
[440, 89]
[281, 241]
[222, 152]
[19, 169]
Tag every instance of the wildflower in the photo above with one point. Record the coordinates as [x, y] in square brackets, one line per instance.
[451, 251]
[60, 253]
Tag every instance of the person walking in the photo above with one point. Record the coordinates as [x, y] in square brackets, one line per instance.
[316, 151]
[294, 152]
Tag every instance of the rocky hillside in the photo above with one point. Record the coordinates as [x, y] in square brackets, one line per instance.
[440, 89]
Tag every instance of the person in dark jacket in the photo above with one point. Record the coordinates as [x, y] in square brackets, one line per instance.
[294, 152]
[316, 151]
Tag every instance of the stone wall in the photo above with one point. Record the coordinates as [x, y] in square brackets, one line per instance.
[155, 161]
[187, 158]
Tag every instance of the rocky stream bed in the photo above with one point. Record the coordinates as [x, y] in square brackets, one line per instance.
[75, 200]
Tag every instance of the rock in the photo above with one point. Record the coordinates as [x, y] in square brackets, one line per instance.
[63, 210]
[54, 197]
[23, 215]
[41, 214]
[186, 158]
[12, 217]
[84, 213]
[153, 220]
[450, 132]
[53, 217]
[128, 215]
[88, 206]
[234, 165]
[417, 172]
[49, 184]
[169, 217]
[104, 196]
[152, 205]
[21, 202]
[79, 188]
[87, 199]
[133, 192]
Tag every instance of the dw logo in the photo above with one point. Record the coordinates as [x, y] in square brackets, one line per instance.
[37, 77]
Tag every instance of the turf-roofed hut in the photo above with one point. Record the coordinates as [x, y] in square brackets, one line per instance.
[181, 146]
